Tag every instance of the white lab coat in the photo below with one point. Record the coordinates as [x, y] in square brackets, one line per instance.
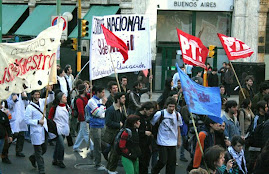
[32, 115]
[17, 111]
[61, 118]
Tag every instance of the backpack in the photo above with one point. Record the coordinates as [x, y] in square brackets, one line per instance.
[192, 142]
[118, 137]
[74, 106]
[254, 136]
[155, 128]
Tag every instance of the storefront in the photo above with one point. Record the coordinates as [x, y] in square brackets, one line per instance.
[201, 18]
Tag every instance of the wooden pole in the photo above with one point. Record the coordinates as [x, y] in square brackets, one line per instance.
[117, 79]
[238, 81]
[47, 93]
[151, 79]
[91, 88]
[198, 140]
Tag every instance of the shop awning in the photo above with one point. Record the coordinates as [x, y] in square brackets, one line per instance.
[40, 19]
[95, 10]
[11, 14]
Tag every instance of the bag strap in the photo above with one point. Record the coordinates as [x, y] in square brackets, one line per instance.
[37, 108]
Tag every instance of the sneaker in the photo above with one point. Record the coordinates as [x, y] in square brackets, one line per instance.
[61, 164]
[110, 172]
[77, 150]
[183, 159]
[19, 154]
[6, 160]
[100, 168]
[33, 161]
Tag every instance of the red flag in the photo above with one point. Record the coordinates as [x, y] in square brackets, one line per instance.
[114, 41]
[234, 48]
[145, 72]
[192, 48]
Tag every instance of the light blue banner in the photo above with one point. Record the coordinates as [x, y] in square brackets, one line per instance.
[201, 100]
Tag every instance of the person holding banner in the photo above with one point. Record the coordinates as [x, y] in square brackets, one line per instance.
[16, 105]
[38, 127]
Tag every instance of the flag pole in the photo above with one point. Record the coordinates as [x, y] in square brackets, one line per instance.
[151, 79]
[47, 93]
[117, 79]
[238, 81]
[91, 87]
[197, 136]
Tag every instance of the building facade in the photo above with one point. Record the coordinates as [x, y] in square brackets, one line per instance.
[246, 20]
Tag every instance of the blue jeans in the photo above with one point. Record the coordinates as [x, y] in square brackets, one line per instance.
[83, 134]
[58, 154]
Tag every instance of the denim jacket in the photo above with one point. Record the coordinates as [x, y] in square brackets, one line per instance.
[232, 127]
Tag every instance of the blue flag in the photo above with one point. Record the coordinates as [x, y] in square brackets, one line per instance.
[201, 100]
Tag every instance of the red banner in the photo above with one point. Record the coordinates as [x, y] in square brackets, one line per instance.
[114, 41]
[192, 48]
[235, 48]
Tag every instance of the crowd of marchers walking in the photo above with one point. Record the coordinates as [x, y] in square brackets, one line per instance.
[142, 137]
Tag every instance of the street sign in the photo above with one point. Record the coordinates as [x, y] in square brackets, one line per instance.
[54, 20]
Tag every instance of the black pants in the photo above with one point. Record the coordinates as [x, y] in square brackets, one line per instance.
[39, 151]
[167, 156]
[20, 141]
[144, 159]
[19, 144]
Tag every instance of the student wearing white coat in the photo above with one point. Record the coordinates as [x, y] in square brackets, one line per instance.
[38, 127]
[60, 114]
[16, 105]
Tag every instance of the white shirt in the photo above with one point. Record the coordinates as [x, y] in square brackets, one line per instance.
[69, 80]
[61, 119]
[168, 129]
[63, 85]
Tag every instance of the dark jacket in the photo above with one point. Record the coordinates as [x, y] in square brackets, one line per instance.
[134, 100]
[219, 139]
[248, 93]
[4, 125]
[229, 76]
[109, 101]
[213, 80]
[130, 147]
[222, 74]
[113, 117]
[265, 132]
[144, 126]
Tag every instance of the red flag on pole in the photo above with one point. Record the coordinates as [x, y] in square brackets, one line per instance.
[193, 51]
[235, 48]
[114, 41]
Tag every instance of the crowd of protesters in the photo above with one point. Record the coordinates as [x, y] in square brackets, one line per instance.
[122, 129]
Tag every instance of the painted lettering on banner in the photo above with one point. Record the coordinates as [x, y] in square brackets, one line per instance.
[193, 51]
[235, 48]
[133, 30]
[29, 65]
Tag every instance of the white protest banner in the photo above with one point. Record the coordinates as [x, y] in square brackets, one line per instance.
[134, 31]
[30, 65]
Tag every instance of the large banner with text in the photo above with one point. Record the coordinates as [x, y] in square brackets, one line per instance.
[30, 65]
[134, 31]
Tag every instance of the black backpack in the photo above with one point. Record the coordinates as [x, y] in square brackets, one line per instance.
[118, 137]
